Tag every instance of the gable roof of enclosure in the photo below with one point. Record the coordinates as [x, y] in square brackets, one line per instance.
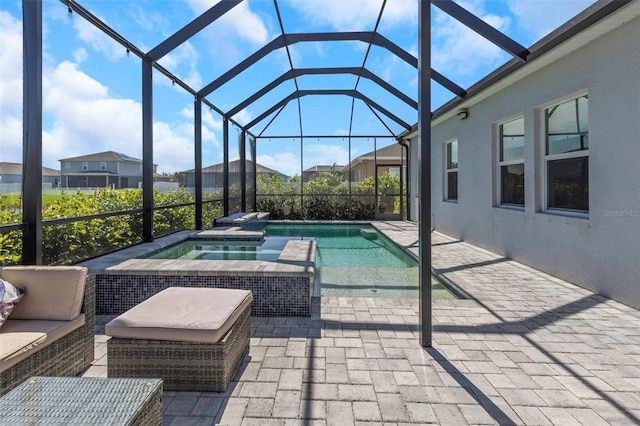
[390, 121]
[393, 122]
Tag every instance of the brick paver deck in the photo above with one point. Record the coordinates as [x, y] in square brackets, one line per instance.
[525, 348]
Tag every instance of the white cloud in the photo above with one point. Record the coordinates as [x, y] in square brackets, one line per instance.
[80, 55]
[173, 149]
[399, 12]
[11, 88]
[457, 50]
[357, 15]
[10, 58]
[98, 40]
[87, 119]
[209, 120]
[243, 117]
[183, 62]
[284, 162]
[238, 24]
[538, 18]
[322, 154]
[240, 20]
[209, 126]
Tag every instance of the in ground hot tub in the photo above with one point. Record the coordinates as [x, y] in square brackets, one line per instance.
[282, 287]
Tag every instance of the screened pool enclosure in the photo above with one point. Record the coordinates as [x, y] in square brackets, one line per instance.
[319, 138]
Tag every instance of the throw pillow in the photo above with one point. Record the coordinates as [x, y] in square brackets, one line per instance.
[10, 295]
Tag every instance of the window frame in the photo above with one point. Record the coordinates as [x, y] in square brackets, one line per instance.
[500, 163]
[448, 171]
[547, 158]
[85, 166]
[103, 165]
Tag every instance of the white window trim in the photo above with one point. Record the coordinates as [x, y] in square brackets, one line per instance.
[501, 164]
[103, 165]
[85, 166]
[445, 189]
[551, 157]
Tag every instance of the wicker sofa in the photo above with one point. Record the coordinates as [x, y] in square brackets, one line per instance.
[45, 335]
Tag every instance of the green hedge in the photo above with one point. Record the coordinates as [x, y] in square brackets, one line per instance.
[72, 242]
[326, 198]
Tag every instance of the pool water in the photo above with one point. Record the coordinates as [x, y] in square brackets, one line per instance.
[358, 261]
[351, 260]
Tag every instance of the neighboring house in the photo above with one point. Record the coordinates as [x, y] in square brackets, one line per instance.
[213, 176]
[12, 173]
[103, 169]
[388, 159]
[313, 172]
[543, 168]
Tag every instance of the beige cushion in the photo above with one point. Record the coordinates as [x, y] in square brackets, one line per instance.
[201, 315]
[52, 292]
[20, 339]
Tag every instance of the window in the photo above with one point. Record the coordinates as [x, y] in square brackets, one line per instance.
[67, 165]
[103, 165]
[451, 172]
[567, 155]
[511, 163]
[85, 166]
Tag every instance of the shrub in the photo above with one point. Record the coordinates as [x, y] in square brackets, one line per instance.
[76, 241]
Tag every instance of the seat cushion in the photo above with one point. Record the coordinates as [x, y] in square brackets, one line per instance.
[202, 315]
[51, 292]
[21, 338]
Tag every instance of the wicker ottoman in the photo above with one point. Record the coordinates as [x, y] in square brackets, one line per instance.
[192, 338]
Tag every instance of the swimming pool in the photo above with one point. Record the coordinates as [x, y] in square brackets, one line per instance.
[350, 261]
[359, 261]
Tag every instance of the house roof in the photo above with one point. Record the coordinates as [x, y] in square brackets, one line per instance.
[16, 169]
[234, 167]
[391, 152]
[322, 168]
[92, 173]
[104, 156]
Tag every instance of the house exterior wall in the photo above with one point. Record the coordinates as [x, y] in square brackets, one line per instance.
[8, 178]
[129, 169]
[129, 174]
[600, 252]
[366, 168]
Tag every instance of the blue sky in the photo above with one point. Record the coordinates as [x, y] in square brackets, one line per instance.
[91, 87]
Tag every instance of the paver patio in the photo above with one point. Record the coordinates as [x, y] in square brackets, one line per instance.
[525, 348]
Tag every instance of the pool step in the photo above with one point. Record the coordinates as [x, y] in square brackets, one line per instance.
[254, 220]
[230, 233]
[369, 234]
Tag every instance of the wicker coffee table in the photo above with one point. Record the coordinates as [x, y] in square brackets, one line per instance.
[83, 401]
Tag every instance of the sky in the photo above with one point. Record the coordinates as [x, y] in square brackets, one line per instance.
[92, 85]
